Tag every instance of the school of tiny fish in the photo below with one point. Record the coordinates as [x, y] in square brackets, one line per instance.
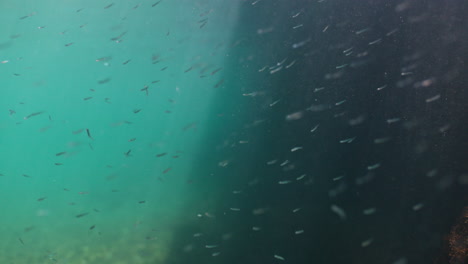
[232, 132]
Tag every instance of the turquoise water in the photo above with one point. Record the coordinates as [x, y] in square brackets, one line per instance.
[61, 65]
[209, 131]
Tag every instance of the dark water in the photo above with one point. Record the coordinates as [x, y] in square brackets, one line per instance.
[233, 131]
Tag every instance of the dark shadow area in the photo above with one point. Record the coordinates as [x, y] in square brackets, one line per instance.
[380, 135]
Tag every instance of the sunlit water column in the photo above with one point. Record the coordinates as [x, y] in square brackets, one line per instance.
[108, 104]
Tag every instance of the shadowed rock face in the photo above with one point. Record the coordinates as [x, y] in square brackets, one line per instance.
[458, 240]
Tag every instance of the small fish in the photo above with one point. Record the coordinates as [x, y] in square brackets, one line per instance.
[339, 211]
[81, 215]
[41, 199]
[218, 84]
[296, 210]
[145, 89]
[117, 39]
[296, 15]
[432, 99]
[375, 41]
[275, 102]
[87, 98]
[127, 154]
[296, 149]
[161, 154]
[290, 64]
[391, 32]
[21, 240]
[167, 170]
[338, 178]
[77, 131]
[141, 202]
[92, 227]
[340, 103]
[69, 44]
[215, 71]
[393, 120]
[104, 81]
[108, 6]
[108, 58]
[381, 87]
[367, 242]
[369, 211]
[125, 62]
[155, 4]
[418, 206]
[318, 89]
[61, 153]
[29, 228]
[348, 140]
[301, 177]
[373, 167]
[188, 126]
[341, 66]
[271, 162]
[381, 140]
[362, 31]
[89, 134]
[314, 128]
[132, 139]
[33, 114]
[136, 111]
